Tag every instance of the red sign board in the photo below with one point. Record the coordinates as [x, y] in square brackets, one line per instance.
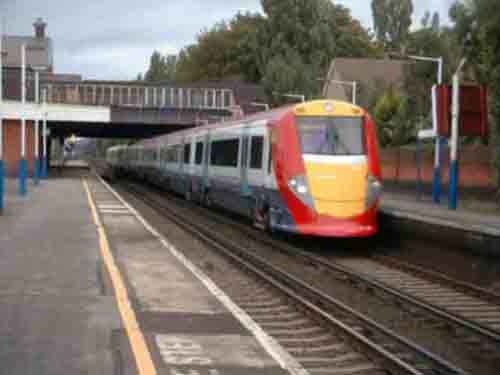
[473, 110]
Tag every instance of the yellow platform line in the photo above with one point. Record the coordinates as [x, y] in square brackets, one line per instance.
[142, 355]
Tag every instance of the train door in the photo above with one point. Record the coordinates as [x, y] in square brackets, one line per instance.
[270, 183]
[244, 161]
[206, 162]
[198, 149]
[187, 171]
[256, 159]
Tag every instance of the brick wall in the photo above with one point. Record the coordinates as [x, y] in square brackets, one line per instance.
[476, 170]
[12, 146]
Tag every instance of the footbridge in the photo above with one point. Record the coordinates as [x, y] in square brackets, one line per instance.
[126, 109]
[58, 106]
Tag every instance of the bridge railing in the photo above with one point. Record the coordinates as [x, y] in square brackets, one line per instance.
[138, 96]
[119, 94]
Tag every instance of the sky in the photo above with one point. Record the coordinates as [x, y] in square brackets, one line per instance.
[113, 39]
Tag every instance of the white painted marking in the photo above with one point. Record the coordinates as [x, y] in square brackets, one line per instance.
[116, 212]
[112, 206]
[213, 351]
[336, 159]
[280, 355]
[176, 371]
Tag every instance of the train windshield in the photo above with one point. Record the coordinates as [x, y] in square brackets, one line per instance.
[331, 135]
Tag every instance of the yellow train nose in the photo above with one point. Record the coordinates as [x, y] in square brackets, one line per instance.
[338, 189]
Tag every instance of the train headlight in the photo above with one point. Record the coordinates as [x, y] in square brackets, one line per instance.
[300, 187]
[374, 191]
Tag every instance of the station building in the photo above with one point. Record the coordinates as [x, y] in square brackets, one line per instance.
[39, 55]
[87, 108]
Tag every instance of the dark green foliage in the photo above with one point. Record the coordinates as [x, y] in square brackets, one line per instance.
[161, 68]
[394, 124]
[478, 21]
[288, 50]
[299, 40]
[228, 50]
[420, 76]
[392, 21]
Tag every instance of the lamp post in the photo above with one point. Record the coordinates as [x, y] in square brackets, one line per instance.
[45, 166]
[455, 117]
[23, 163]
[264, 105]
[36, 159]
[302, 98]
[436, 182]
[353, 84]
[2, 171]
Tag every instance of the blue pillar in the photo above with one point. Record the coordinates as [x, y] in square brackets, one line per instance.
[453, 184]
[437, 174]
[36, 170]
[45, 168]
[436, 188]
[419, 168]
[23, 176]
[2, 186]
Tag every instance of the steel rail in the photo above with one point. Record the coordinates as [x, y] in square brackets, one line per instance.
[459, 285]
[288, 284]
[470, 325]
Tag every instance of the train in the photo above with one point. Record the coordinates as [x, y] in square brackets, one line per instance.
[310, 168]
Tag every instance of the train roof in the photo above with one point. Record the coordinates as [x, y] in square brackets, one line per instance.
[268, 116]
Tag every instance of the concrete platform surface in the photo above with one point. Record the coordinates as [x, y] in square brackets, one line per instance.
[88, 287]
[409, 207]
[188, 324]
[55, 318]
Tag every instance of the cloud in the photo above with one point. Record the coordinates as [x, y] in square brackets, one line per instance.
[113, 39]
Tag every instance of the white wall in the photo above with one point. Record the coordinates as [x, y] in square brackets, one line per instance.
[57, 112]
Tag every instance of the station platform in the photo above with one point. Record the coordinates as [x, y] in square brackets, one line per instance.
[87, 286]
[474, 226]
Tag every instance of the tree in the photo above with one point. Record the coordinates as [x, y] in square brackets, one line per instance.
[299, 37]
[161, 68]
[477, 24]
[392, 21]
[302, 37]
[228, 50]
[436, 22]
[394, 124]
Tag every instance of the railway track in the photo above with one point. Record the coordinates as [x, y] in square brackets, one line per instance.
[310, 324]
[473, 312]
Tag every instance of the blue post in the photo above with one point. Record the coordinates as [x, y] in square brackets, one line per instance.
[437, 175]
[2, 186]
[455, 115]
[453, 184]
[23, 176]
[36, 169]
[419, 168]
[45, 169]
[436, 189]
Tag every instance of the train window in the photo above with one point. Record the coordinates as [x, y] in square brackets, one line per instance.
[210, 98]
[199, 153]
[172, 154]
[256, 148]
[331, 135]
[163, 155]
[187, 153]
[218, 99]
[270, 159]
[225, 153]
[227, 98]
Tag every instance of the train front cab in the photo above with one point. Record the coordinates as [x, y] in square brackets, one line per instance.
[328, 170]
